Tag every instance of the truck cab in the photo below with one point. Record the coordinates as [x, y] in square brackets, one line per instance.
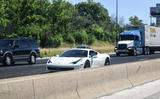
[129, 43]
[141, 39]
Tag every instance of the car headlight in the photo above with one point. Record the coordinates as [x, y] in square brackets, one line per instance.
[130, 48]
[76, 61]
[1, 52]
[49, 61]
[115, 49]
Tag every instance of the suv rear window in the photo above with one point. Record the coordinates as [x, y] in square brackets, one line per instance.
[24, 44]
[33, 43]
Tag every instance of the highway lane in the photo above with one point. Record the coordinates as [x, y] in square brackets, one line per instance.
[23, 69]
[126, 59]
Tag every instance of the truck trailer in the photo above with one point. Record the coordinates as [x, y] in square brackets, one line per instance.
[136, 40]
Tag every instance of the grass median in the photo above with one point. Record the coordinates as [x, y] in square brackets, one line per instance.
[101, 47]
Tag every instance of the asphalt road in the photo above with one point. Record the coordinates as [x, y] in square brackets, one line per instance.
[23, 69]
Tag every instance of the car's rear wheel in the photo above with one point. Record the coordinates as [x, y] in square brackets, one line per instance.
[32, 59]
[8, 60]
[87, 64]
[107, 62]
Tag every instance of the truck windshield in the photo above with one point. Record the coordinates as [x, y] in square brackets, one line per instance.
[126, 37]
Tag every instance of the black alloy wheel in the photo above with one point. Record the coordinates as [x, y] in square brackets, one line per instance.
[8, 60]
[107, 62]
[87, 64]
[32, 59]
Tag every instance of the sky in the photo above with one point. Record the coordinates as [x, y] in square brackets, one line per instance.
[128, 8]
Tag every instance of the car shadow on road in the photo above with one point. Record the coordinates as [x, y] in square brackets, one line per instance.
[16, 64]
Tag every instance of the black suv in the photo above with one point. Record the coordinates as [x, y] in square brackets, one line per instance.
[18, 49]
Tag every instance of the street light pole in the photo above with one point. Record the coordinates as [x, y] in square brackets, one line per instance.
[116, 21]
[150, 20]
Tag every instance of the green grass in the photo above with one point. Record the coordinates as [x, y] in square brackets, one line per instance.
[102, 47]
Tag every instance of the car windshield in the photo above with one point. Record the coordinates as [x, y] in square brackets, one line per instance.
[5, 43]
[126, 37]
[75, 53]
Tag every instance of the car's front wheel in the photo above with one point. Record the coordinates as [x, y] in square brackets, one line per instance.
[8, 60]
[87, 64]
[32, 59]
[107, 62]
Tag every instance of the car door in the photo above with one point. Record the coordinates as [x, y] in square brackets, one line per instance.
[17, 50]
[138, 46]
[21, 50]
[94, 58]
[25, 49]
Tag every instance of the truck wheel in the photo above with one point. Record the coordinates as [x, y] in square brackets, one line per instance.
[151, 52]
[145, 51]
[148, 51]
[134, 52]
[117, 54]
[130, 53]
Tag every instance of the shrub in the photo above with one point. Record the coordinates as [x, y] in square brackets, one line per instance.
[70, 39]
[81, 37]
[51, 41]
[91, 39]
[97, 31]
[12, 35]
[57, 40]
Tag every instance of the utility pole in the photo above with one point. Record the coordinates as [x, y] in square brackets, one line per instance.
[116, 21]
[150, 20]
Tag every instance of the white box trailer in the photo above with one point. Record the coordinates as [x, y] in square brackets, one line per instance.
[150, 36]
[139, 40]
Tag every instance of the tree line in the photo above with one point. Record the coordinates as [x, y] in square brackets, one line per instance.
[57, 21]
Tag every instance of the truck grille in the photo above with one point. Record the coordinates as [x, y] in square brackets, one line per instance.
[122, 46]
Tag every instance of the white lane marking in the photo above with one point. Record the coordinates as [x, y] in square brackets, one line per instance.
[144, 59]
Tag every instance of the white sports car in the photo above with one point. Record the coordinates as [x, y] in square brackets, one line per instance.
[78, 58]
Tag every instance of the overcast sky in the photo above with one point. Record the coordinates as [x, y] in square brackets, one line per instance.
[127, 8]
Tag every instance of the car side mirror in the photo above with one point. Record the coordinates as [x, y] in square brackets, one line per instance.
[95, 56]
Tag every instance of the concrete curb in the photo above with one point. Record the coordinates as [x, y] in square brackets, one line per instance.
[81, 84]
